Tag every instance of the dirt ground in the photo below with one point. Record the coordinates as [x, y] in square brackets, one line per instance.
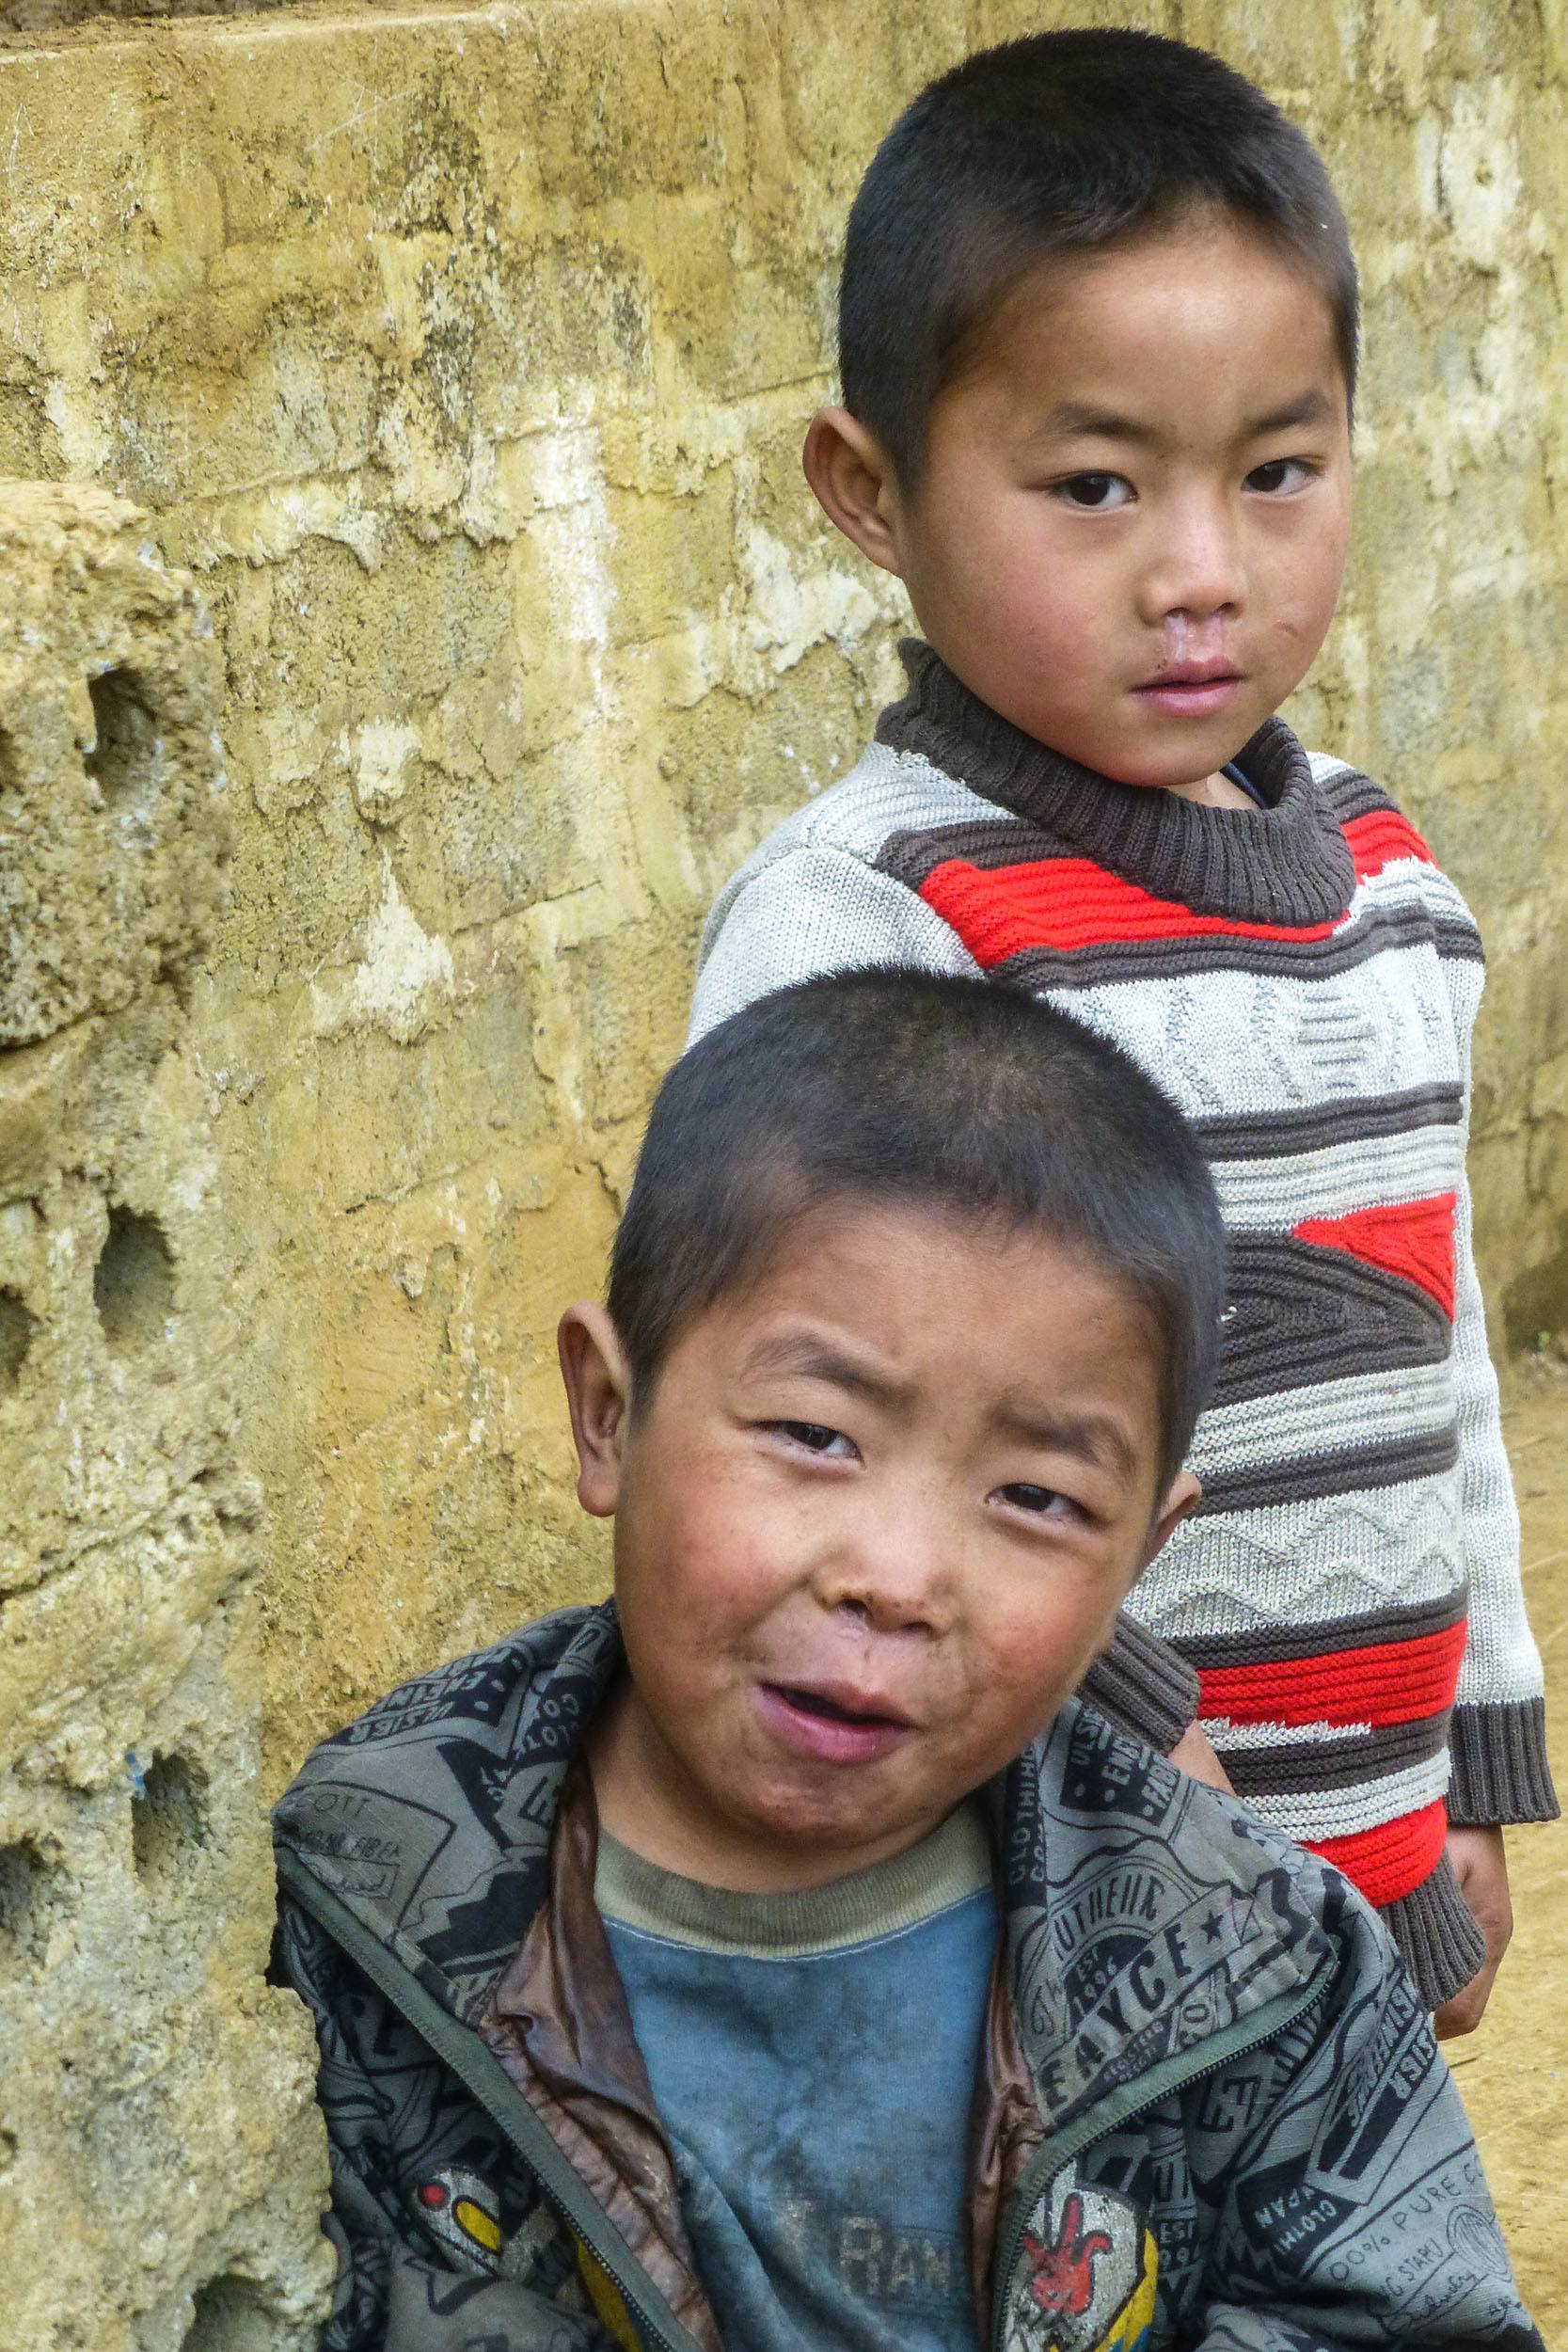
[1514, 2071]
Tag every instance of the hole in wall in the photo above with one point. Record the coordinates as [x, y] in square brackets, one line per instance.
[18, 1327]
[231, 2315]
[168, 1821]
[133, 1282]
[24, 1882]
[124, 758]
[234, 1498]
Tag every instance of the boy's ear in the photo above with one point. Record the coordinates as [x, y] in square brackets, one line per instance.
[1183, 1493]
[856, 488]
[598, 1396]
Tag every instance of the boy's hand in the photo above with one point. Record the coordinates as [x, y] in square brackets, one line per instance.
[1480, 1866]
[1193, 1755]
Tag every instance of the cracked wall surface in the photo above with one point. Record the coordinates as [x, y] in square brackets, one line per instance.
[463, 354]
[161, 2165]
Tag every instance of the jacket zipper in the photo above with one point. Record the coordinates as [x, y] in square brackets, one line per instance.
[459, 2047]
[1123, 2106]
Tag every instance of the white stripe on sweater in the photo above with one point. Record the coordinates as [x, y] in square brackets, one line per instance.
[1304, 1423]
[1291, 1042]
[1365, 1804]
[1333, 1556]
[1230, 1738]
[1272, 1196]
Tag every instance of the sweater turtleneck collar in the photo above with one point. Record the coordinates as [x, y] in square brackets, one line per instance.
[1287, 863]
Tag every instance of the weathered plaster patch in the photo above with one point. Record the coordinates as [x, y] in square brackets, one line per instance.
[404, 981]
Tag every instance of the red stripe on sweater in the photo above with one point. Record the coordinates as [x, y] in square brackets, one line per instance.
[1072, 903]
[1380, 838]
[1415, 1239]
[1388, 1682]
[1393, 1859]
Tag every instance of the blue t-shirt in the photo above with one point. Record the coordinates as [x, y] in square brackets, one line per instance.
[814, 2058]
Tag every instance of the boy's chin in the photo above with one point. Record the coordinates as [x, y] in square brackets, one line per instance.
[1171, 757]
[830, 1834]
[1162, 767]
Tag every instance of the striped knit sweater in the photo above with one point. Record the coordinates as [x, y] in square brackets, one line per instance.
[1302, 980]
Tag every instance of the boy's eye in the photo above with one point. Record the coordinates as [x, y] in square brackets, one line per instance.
[815, 1435]
[1280, 473]
[1095, 490]
[1039, 1499]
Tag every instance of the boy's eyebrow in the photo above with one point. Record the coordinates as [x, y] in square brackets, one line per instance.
[1074, 417]
[1313, 406]
[816, 1359]
[1096, 1438]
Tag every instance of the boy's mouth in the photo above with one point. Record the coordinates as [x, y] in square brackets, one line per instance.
[834, 1725]
[1192, 688]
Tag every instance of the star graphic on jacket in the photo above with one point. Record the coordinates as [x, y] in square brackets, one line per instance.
[1213, 1926]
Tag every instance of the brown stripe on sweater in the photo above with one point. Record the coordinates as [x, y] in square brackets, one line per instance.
[1301, 1314]
[983, 842]
[1350, 794]
[1305, 1477]
[1318, 1126]
[1376, 931]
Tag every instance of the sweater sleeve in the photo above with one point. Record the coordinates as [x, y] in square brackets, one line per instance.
[1143, 1686]
[1497, 1741]
[800, 909]
[1499, 1737]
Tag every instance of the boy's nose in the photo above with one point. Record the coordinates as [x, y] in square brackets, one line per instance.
[1197, 575]
[898, 1578]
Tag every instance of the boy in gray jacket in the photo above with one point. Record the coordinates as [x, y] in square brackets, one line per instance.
[778, 1955]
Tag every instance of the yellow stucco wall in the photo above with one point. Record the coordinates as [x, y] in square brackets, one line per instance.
[463, 354]
[161, 2158]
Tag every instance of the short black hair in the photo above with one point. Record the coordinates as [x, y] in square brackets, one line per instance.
[896, 1086]
[1058, 144]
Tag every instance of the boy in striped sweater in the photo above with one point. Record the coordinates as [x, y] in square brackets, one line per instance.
[1098, 338]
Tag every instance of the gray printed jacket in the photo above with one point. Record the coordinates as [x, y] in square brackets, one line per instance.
[1212, 2116]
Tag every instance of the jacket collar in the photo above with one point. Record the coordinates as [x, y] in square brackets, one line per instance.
[429, 1817]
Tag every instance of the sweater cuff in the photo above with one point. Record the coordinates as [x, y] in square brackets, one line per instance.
[1143, 1686]
[1499, 1768]
[1443, 1947]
